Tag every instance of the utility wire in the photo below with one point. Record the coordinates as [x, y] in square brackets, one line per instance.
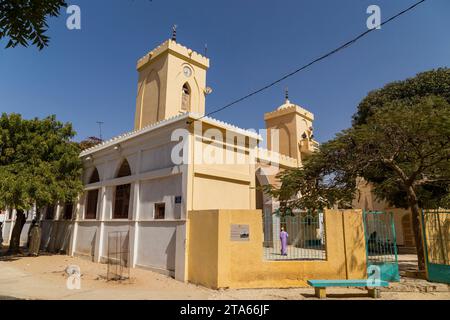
[345, 45]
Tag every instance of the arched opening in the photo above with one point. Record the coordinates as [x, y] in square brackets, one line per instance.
[186, 98]
[122, 193]
[94, 176]
[124, 170]
[92, 197]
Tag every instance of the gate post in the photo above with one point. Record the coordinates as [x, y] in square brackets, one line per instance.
[424, 243]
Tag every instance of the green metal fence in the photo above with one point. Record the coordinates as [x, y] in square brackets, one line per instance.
[436, 231]
[305, 236]
[381, 244]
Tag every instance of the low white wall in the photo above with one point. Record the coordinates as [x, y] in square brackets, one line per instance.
[86, 238]
[55, 236]
[7, 226]
[110, 228]
[156, 246]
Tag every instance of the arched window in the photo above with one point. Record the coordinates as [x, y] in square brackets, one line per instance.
[186, 98]
[94, 176]
[122, 194]
[92, 197]
[124, 170]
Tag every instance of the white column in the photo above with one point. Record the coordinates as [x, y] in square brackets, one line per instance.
[134, 230]
[57, 212]
[78, 216]
[12, 221]
[101, 229]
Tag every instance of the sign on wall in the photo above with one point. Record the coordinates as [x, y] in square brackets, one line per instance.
[240, 232]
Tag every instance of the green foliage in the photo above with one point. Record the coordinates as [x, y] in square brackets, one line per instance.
[24, 21]
[407, 145]
[403, 150]
[322, 182]
[430, 83]
[39, 164]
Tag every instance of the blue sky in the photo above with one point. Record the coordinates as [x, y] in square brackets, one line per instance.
[89, 75]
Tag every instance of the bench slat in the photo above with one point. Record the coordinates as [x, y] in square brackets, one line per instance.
[347, 283]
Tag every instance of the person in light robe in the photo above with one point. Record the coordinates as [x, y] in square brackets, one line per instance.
[284, 240]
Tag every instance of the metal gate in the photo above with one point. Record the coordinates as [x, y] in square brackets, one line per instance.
[304, 234]
[436, 235]
[381, 245]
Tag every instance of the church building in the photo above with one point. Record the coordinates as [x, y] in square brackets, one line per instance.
[144, 183]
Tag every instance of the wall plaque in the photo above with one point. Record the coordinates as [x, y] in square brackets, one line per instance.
[240, 232]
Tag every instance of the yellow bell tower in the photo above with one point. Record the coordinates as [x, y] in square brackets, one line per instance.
[295, 131]
[172, 80]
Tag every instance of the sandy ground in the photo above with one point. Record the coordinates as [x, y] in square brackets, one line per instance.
[44, 278]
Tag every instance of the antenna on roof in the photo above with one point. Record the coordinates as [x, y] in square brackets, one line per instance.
[174, 32]
[100, 129]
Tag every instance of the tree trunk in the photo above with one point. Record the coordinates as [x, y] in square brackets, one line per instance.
[14, 244]
[416, 224]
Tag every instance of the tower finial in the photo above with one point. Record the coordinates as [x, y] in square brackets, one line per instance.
[286, 94]
[174, 32]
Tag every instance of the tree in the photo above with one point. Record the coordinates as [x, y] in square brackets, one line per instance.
[425, 84]
[403, 149]
[39, 165]
[24, 21]
[89, 143]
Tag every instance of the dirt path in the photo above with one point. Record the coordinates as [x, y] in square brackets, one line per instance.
[44, 278]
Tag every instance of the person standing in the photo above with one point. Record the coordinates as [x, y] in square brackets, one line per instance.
[284, 241]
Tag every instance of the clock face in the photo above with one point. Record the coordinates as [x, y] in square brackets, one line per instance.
[187, 71]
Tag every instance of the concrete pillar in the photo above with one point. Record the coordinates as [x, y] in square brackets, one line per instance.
[100, 230]
[11, 222]
[78, 216]
[134, 230]
[275, 229]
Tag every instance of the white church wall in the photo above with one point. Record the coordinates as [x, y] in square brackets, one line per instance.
[157, 157]
[86, 238]
[157, 191]
[109, 229]
[55, 235]
[157, 244]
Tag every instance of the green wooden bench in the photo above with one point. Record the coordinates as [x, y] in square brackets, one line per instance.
[372, 288]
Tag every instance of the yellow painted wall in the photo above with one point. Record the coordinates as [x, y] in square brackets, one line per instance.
[217, 262]
[291, 121]
[220, 183]
[437, 228]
